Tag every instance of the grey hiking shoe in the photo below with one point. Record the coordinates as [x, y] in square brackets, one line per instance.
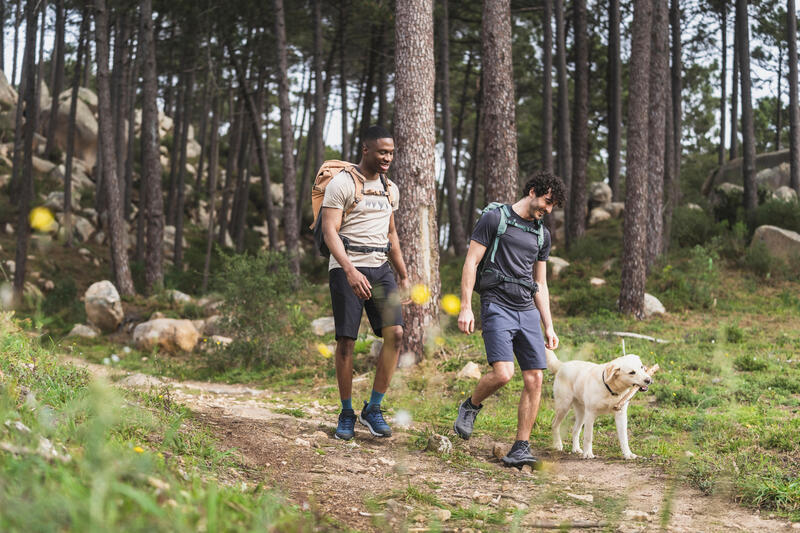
[520, 455]
[466, 419]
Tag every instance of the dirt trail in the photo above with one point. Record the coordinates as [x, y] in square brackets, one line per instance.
[363, 484]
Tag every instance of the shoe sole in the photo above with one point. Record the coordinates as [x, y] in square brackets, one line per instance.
[369, 427]
[337, 437]
[520, 464]
[459, 433]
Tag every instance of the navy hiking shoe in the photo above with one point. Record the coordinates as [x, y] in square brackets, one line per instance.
[345, 430]
[466, 419]
[373, 419]
[520, 455]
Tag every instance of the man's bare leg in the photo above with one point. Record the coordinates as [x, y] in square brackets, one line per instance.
[529, 403]
[387, 360]
[502, 372]
[344, 366]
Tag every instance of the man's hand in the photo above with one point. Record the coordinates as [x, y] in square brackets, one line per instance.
[404, 284]
[551, 339]
[359, 283]
[466, 320]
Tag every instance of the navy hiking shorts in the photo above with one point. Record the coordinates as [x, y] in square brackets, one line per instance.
[507, 333]
[383, 309]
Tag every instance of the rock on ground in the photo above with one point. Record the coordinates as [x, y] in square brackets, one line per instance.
[82, 330]
[557, 265]
[653, 306]
[470, 371]
[779, 242]
[103, 306]
[323, 325]
[172, 335]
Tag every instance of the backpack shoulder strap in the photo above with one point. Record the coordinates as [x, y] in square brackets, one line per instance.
[501, 227]
[358, 182]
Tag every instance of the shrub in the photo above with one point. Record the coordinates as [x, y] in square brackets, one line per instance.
[758, 260]
[692, 227]
[261, 310]
[692, 284]
[778, 213]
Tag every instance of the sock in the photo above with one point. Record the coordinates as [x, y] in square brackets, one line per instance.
[375, 399]
[347, 404]
[472, 405]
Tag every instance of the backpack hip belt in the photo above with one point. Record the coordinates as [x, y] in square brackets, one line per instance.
[365, 249]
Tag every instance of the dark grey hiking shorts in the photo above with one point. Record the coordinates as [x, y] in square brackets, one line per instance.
[383, 309]
[507, 333]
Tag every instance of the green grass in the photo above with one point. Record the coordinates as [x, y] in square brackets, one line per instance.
[135, 461]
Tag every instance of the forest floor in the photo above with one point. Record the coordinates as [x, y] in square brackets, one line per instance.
[286, 442]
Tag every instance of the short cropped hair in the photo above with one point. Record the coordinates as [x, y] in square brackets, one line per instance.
[373, 133]
[543, 182]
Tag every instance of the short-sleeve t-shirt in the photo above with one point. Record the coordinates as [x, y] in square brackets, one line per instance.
[368, 224]
[517, 253]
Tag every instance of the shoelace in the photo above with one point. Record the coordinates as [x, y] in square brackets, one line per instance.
[377, 415]
[347, 422]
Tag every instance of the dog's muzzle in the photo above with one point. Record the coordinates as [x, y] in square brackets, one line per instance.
[647, 382]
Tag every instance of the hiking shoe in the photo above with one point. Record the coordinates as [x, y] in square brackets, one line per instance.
[466, 419]
[373, 419]
[345, 430]
[520, 455]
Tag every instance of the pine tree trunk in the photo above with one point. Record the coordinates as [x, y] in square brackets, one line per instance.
[672, 180]
[73, 110]
[748, 127]
[723, 80]
[26, 178]
[500, 138]
[473, 180]
[563, 133]
[415, 137]
[180, 199]
[375, 44]
[241, 193]
[633, 274]
[457, 235]
[116, 229]
[343, 77]
[213, 162]
[119, 95]
[547, 87]
[734, 147]
[779, 104]
[319, 93]
[291, 230]
[231, 166]
[57, 65]
[17, 23]
[576, 215]
[462, 105]
[659, 71]
[177, 134]
[131, 135]
[153, 212]
[614, 99]
[14, 185]
[794, 106]
[205, 107]
[3, 40]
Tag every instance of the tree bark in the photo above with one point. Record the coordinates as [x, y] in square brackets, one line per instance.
[375, 44]
[748, 127]
[794, 110]
[174, 157]
[614, 99]
[659, 71]
[17, 22]
[723, 79]
[188, 99]
[563, 133]
[343, 77]
[26, 182]
[205, 106]
[473, 181]
[734, 148]
[3, 40]
[547, 87]
[415, 135]
[119, 96]
[457, 235]
[213, 161]
[57, 65]
[319, 93]
[500, 139]
[73, 109]
[231, 166]
[462, 105]
[633, 274]
[672, 181]
[779, 104]
[136, 66]
[576, 215]
[117, 236]
[291, 230]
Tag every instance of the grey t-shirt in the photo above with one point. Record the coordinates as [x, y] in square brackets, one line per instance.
[517, 253]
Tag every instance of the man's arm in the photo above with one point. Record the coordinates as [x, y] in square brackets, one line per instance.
[331, 222]
[466, 318]
[396, 256]
[542, 301]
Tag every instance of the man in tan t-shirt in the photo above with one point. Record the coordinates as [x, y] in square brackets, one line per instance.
[361, 246]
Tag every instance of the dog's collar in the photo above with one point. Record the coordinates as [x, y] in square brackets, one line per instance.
[603, 375]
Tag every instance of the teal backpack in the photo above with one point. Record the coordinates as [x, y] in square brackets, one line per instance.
[488, 277]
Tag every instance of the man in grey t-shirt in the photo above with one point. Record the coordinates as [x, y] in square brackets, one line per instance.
[514, 299]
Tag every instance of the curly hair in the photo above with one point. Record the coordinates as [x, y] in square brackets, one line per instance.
[543, 182]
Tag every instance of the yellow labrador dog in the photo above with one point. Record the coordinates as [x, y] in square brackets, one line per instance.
[593, 389]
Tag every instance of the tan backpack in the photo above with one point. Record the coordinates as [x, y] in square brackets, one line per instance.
[325, 174]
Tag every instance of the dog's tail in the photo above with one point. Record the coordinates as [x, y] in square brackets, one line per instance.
[553, 364]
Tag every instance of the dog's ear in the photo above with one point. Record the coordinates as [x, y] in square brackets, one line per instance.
[613, 371]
